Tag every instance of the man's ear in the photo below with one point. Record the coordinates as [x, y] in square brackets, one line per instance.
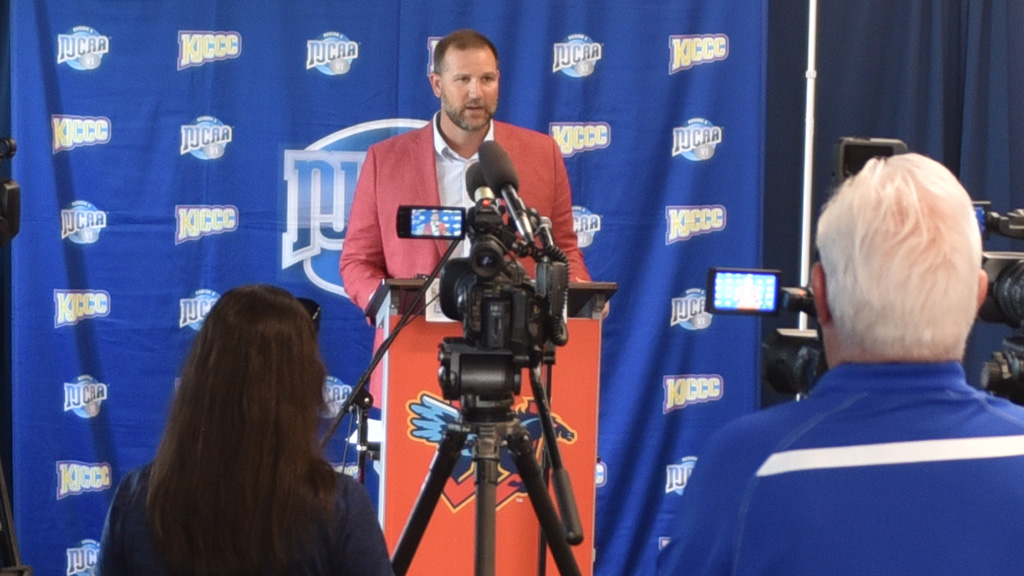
[982, 287]
[435, 83]
[820, 294]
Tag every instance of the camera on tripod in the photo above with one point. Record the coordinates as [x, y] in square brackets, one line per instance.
[1003, 373]
[792, 359]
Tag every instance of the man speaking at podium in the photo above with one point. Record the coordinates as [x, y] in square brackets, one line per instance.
[427, 166]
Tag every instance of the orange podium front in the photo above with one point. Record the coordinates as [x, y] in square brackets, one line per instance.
[414, 416]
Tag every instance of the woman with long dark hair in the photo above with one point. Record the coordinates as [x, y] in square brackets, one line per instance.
[239, 484]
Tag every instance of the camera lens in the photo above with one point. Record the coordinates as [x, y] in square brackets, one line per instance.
[487, 257]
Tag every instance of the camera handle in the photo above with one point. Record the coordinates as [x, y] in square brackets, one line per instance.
[489, 434]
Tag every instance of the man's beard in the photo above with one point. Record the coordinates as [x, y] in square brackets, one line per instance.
[457, 115]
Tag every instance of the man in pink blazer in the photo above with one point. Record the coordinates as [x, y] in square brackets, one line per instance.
[421, 167]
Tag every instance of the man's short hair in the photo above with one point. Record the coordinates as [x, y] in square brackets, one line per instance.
[464, 39]
[901, 251]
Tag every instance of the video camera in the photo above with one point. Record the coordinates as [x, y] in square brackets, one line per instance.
[1003, 373]
[791, 359]
[507, 317]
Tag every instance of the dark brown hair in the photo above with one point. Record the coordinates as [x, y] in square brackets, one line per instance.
[461, 40]
[239, 482]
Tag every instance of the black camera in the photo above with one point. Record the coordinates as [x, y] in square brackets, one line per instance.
[508, 318]
[1003, 373]
[792, 359]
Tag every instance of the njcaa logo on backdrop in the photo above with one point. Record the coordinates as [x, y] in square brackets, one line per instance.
[336, 393]
[84, 396]
[586, 224]
[573, 137]
[73, 306]
[82, 222]
[82, 559]
[196, 48]
[686, 389]
[321, 184]
[194, 222]
[677, 475]
[697, 140]
[685, 222]
[685, 52]
[206, 138]
[576, 56]
[431, 44]
[74, 478]
[689, 311]
[195, 308]
[74, 131]
[331, 54]
[82, 48]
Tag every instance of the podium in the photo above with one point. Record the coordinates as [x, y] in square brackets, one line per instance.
[414, 413]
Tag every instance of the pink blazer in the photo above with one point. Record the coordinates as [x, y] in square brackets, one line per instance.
[402, 171]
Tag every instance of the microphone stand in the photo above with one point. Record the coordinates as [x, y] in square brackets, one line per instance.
[362, 399]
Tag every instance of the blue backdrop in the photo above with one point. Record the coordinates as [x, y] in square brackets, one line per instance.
[173, 150]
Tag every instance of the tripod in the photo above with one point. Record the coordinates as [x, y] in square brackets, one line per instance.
[491, 421]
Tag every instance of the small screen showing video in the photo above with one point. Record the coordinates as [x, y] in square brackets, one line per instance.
[432, 222]
[743, 291]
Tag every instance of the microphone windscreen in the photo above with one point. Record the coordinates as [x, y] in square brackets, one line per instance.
[474, 180]
[497, 166]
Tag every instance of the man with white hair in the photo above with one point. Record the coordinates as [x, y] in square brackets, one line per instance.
[893, 464]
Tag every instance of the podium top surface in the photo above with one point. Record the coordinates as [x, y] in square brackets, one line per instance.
[585, 298]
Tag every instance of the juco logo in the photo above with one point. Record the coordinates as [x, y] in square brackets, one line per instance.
[82, 222]
[688, 310]
[685, 222]
[195, 308]
[677, 475]
[206, 138]
[681, 391]
[336, 393]
[431, 44]
[74, 131]
[82, 48]
[74, 478]
[573, 137]
[321, 182]
[82, 559]
[430, 415]
[84, 396]
[73, 306]
[586, 224]
[194, 222]
[576, 56]
[685, 52]
[331, 54]
[697, 140]
[196, 48]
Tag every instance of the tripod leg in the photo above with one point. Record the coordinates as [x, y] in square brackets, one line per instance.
[485, 455]
[521, 447]
[448, 453]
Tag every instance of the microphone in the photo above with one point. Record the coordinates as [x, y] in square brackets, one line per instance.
[476, 184]
[501, 175]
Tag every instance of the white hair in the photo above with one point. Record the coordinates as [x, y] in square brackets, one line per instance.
[901, 250]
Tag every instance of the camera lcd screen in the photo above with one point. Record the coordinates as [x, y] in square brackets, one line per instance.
[740, 291]
[430, 222]
[981, 210]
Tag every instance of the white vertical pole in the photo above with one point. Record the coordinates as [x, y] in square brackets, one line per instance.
[808, 197]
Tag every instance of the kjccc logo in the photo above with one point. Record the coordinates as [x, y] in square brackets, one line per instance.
[321, 185]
